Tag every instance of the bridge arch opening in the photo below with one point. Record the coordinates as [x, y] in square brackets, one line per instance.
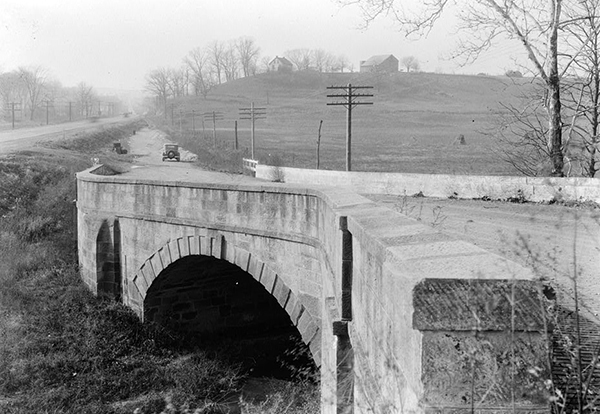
[108, 256]
[216, 303]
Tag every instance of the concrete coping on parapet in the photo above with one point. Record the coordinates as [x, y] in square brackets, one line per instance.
[395, 239]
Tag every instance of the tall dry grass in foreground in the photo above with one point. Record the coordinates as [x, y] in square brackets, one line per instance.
[63, 350]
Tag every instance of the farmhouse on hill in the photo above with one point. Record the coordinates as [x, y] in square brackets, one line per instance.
[280, 64]
[379, 63]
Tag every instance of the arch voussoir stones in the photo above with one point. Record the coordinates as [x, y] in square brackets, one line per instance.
[242, 259]
[165, 255]
[268, 279]
[281, 292]
[156, 265]
[216, 247]
[195, 245]
[174, 249]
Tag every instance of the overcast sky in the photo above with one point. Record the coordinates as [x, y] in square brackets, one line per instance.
[115, 43]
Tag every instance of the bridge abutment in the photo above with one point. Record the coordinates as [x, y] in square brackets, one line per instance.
[345, 271]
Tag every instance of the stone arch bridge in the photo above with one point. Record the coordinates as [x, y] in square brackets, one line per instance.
[390, 308]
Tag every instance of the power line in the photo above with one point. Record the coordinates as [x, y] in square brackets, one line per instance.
[18, 108]
[350, 99]
[214, 116]
[253, 114]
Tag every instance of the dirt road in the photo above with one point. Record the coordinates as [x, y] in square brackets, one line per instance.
[554, 240]
[146, 146]
[24, 138]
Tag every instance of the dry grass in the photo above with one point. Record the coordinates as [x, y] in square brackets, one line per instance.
[63, 350]
[412, 126]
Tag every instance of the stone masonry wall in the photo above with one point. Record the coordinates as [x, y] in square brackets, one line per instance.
[343, 267]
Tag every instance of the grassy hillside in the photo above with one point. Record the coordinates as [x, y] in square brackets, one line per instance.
[411, 127]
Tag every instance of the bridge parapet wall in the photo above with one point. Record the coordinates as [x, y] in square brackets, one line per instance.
[353, 265]
[535, 189]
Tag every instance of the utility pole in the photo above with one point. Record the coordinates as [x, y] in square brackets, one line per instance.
[253, 114]
[235, 143]
[193, 121]
[319, 143]
[214, 116]
[172, 109]
[349, 101]
[13, 109]
[19, 107]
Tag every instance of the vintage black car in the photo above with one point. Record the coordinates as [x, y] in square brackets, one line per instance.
[171, 152]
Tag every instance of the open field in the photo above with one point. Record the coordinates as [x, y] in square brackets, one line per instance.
[412, 126]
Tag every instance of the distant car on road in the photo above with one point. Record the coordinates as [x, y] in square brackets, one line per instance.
[171, 152]
[118, 148]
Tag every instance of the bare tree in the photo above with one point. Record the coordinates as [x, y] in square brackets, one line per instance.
[216, 52]
[158, 83]
[342, 63]
[248, 53]
[230, 62]
[12, 89]
[410, 63]
[322, 60]
[198, 61]
[264, 64]
[34, 79]
[302, 58]
[582, 88]
[534, 24]
[84, 94]
[519, 133]
[178, 81]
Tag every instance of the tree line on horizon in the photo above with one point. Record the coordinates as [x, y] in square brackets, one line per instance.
[205, 67]
[31, 91]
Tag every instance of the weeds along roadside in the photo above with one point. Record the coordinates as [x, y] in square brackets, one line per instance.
[63, 349]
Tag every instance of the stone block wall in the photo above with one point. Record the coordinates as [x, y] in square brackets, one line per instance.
[343, 268]
[484, 344]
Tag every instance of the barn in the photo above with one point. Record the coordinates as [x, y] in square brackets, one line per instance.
[380, 63]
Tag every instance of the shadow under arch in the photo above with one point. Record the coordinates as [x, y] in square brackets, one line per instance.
[185, 252]
[108, 260]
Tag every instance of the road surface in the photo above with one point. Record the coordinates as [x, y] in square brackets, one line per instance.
[24, 138]
[551, 239]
